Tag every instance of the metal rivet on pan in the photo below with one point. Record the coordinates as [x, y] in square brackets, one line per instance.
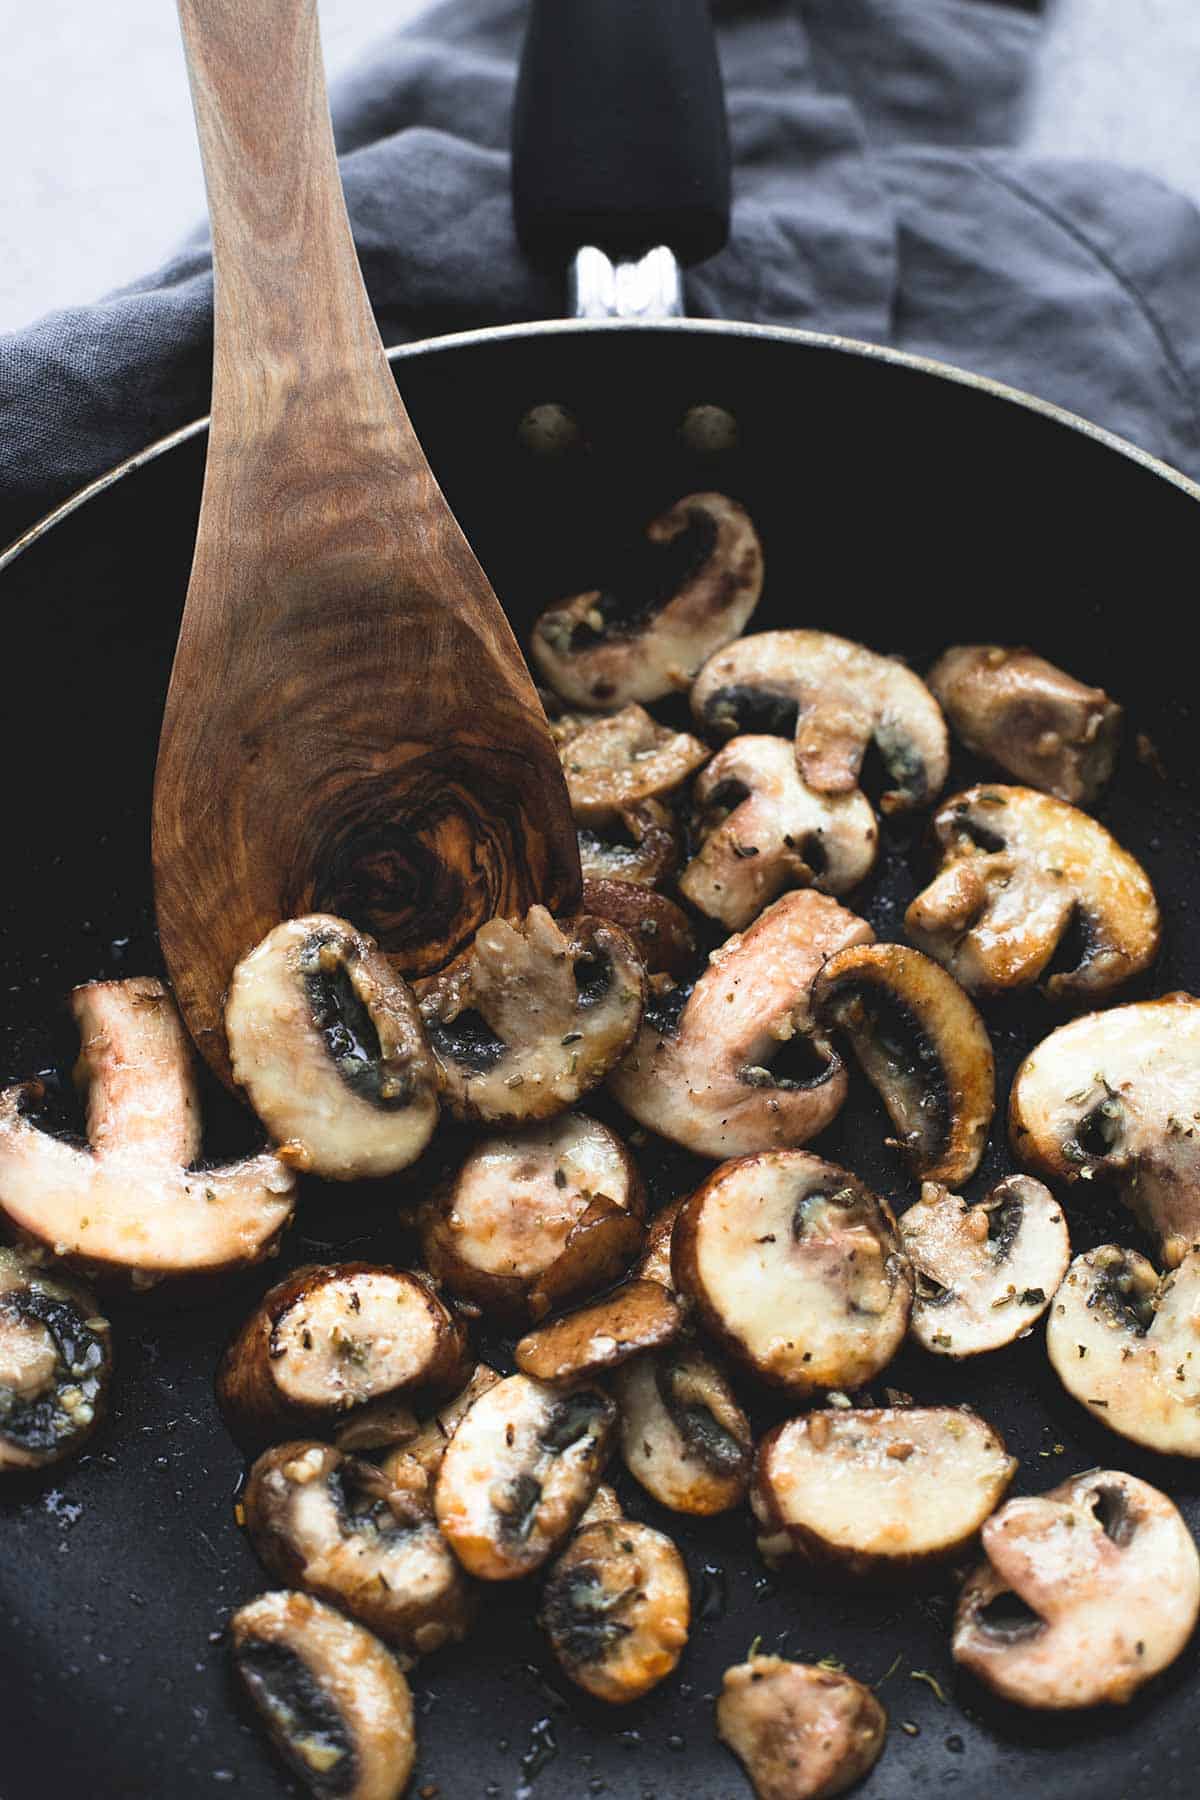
[708, 429]
[548, 429]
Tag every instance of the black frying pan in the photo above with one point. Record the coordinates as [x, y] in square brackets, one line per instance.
[901, 502]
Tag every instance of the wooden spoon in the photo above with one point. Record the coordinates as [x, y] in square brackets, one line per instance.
[350, 726]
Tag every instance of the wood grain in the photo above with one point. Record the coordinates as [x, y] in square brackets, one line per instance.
[350, 726]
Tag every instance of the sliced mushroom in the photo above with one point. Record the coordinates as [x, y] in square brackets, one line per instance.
[983, 1274]
[639, 1316]
[837, 697]
[426, 1443]
[764, 829]
[795, 1267]
[655, 1264]
[801, 1732]
[623, 761]
[518, 1473]
[333, 1337]
[922, 1046]
[1115, 1097]
[600, 650]
[327, 1042]
[616, 1608]
[532, 1016]
[656, 927]
[1033, 719]
[1084, 1594]
[683, 1434]
[1019, 870]
[334, 1701]
[1126, 1345]
[738, 1065]
[55, 1364]
[888, 1491]
[643, 844]
[129, 1207]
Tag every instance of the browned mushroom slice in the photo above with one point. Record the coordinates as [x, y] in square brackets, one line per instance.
[533, 1016]
[1020, 869]
[683, 1434]
[614, 764]
[55, 1364]
[327, 1042]
[334, 1701]
[1084, 1594]
[795, 1267]
[129, 1207]
[738, 1065]
[518, 1473]
[983, 1274]
[333, 1337]
[601, 650]
[881, 1492]
[837, 697]
[642, 845]
[656, 927]
[1031, 718]
[763, 830]
[655, 1264]
[921, 1045]
[639, 1316]
[801, 1732]
[426, 1443]
[533, 1221]
[600, 1509]
[616, 1608]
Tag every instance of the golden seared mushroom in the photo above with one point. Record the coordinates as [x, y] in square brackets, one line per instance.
[683, 1434]
[327, 1042]
[889, 1491]
[738, 1064]
[1126, 1345]
[619, 763]
[1019, 870]
[922, 1046]
[656, 927]
[616, 1608]
[425, 1444]
[1033, 719]
[983, 1274]
[532, 1221]
[801, 1732]
[601, 650]
[333, 1700]
[763, 829]
[1084, 1594]
[795, 1268]
[55, 1364]
[130, 1207]
[518, 1473]
[836, 698]
[1115, 1097]
[641, 1315]
[532, 1017]
[364, 1540]
[642, 845]
[332, 1337]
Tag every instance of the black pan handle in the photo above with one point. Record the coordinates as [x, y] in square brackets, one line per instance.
[619, 133]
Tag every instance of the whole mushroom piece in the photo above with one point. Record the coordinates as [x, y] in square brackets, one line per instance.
[801, 1732]
[617, 1608]
[55, 1364]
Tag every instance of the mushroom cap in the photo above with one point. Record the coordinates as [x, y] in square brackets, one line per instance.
[801, 1732]
[658, 929]
[1018, 868]
[622, 761]
[1110, 1581]
[638, 1316]
[683, 1435]
[55, 1364]
[643, 845]
[617, 1607]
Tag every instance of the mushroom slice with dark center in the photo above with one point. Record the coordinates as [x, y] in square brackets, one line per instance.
[55, 1364]
[530, 1222]
[801, 1731]
[795, 1267]
[639, 1316]
[334, 1701]
[642, 844]
[333, 1337]
[838, 698]
[1033, 719]
[683, 1434]
[882, 1492]
[922, 1046]
[518, 1473]
[658, 929]
[327, 1042]
[763, 829]
[532, 1016]
[1020, 870]
[741, 1066]
[983, 1274]
[364, 1540]
[602, 650]
[616, 1608]
[1084, 1594]
[426, 1443]
[129, 1207]
[623, 761]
